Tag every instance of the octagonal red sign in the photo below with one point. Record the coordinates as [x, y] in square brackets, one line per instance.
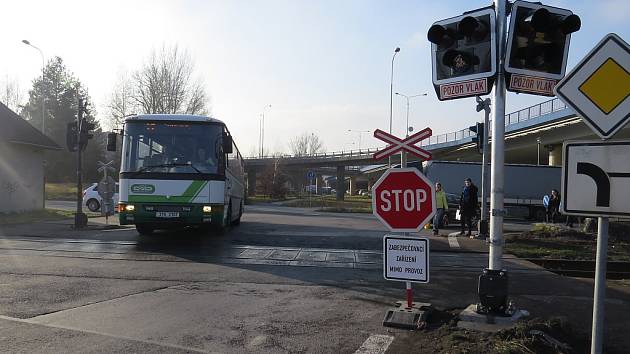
[403, 199]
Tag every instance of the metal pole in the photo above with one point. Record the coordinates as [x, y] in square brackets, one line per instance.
[599, 296]
[498, 153]
[407, 126]
[262, 139]
[538, 151]
[391, 97]
[484, 167]
[78, 220]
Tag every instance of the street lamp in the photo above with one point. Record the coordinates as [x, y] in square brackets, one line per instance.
[43, 93]
[538, 141]
[408, 97]
[391, 96]
[360, 133]
[261, 139]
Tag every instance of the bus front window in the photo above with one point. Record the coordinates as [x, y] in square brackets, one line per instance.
[170, 147]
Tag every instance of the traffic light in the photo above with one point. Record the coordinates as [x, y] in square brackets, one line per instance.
[538, 46]
[463, 53]
[71, 136]
[86, 133]
[478, 138]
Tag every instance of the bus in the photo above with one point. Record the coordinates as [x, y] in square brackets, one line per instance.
[179, 170]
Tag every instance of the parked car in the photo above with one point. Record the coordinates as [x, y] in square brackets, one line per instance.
[93, 200]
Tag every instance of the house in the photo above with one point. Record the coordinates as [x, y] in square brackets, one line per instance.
[21, 163]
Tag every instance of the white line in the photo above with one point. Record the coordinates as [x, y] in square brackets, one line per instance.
[452, 241]
[375, 344]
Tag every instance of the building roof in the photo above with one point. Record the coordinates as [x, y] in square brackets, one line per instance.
[18, 131]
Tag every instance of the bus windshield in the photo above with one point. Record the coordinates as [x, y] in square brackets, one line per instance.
[172, 147]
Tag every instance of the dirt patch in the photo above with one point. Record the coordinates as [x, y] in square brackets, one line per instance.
[539, 336]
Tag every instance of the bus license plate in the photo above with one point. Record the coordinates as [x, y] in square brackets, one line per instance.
[167, 214]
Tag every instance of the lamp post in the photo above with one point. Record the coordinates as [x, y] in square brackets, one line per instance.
[262, 131]
[360, 134]
[408, 97]
[391, 96]
[43, 98]
[538, 150]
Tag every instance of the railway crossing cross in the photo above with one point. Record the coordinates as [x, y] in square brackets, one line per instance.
[407, 144]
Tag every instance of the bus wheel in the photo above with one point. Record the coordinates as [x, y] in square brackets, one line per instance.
[240, 213]
[144, 229]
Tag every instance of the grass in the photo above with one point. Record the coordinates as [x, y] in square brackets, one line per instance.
[556, 242]
[34, 216]
[61, 191]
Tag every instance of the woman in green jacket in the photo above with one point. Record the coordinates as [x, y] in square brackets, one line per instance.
[441, 205]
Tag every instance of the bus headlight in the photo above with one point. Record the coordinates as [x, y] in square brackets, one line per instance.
[130, 207]
[207, 209]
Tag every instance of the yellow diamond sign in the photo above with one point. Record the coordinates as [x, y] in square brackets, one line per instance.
[596, 87]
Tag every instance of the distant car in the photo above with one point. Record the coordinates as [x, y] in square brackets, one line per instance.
[93, 200]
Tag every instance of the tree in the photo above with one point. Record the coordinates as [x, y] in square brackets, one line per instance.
[273, 180]
[165, 84]
[121, 103]
[306, 144]
[61, 91]
[11, 95]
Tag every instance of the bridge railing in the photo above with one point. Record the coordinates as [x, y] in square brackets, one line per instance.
[516, 117]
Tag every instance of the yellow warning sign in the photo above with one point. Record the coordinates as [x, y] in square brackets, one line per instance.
[608, 86]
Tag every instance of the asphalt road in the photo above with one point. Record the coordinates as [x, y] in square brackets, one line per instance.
[286, 280]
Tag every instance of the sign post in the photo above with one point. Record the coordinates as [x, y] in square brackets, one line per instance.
[403, 199]
[598, 89]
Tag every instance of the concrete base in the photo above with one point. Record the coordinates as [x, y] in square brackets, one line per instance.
[412, 318]
[470, 319]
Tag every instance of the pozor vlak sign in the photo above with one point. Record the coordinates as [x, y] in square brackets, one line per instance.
[403, 199]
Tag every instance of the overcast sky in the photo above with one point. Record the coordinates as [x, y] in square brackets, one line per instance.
[324, 66]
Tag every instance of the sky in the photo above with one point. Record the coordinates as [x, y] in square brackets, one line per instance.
[323, 66]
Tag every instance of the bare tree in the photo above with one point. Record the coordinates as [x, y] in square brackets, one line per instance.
[165, 84]
[11, 95]
[122, 102]
[306, 144]
[273, 180]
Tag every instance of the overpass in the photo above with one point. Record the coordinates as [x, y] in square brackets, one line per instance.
[532, 135]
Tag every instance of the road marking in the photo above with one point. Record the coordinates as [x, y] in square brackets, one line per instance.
[375, 344]
[452, 240]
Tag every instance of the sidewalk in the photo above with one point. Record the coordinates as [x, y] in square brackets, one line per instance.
[55, 228]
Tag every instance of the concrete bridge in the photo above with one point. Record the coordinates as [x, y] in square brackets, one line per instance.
[532, 135]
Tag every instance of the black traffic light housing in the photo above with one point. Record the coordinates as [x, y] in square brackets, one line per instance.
[478, 138]
[111, 141]
[71, 136]
[463, 54]
[86, 133]
[538, 46]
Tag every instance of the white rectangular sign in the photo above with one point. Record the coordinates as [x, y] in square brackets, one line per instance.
[596, 178]
[464, 88]
[406, 258]
[524, 83]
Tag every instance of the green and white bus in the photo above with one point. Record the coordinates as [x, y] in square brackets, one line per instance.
[179, 170]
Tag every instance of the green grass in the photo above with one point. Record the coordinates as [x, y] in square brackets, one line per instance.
[34, 216]
[61, 191]
[556, 242]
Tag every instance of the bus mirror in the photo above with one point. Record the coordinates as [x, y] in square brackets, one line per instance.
[227, 144]
[111, 141]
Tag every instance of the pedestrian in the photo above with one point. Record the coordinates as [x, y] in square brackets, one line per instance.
[468, 205]
[441, 205]
[553, 210]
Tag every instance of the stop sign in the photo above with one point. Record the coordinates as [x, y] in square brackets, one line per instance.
[403, 199]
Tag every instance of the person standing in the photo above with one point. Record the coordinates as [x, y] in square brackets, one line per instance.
[468, 205]
[441, 205]
[553, 210]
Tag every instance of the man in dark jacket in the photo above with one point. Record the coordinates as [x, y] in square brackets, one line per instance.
[468, 205]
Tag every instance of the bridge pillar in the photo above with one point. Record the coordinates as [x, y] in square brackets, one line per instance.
[353, 185]
[555, 155]
[341, 182]
[251, 183]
